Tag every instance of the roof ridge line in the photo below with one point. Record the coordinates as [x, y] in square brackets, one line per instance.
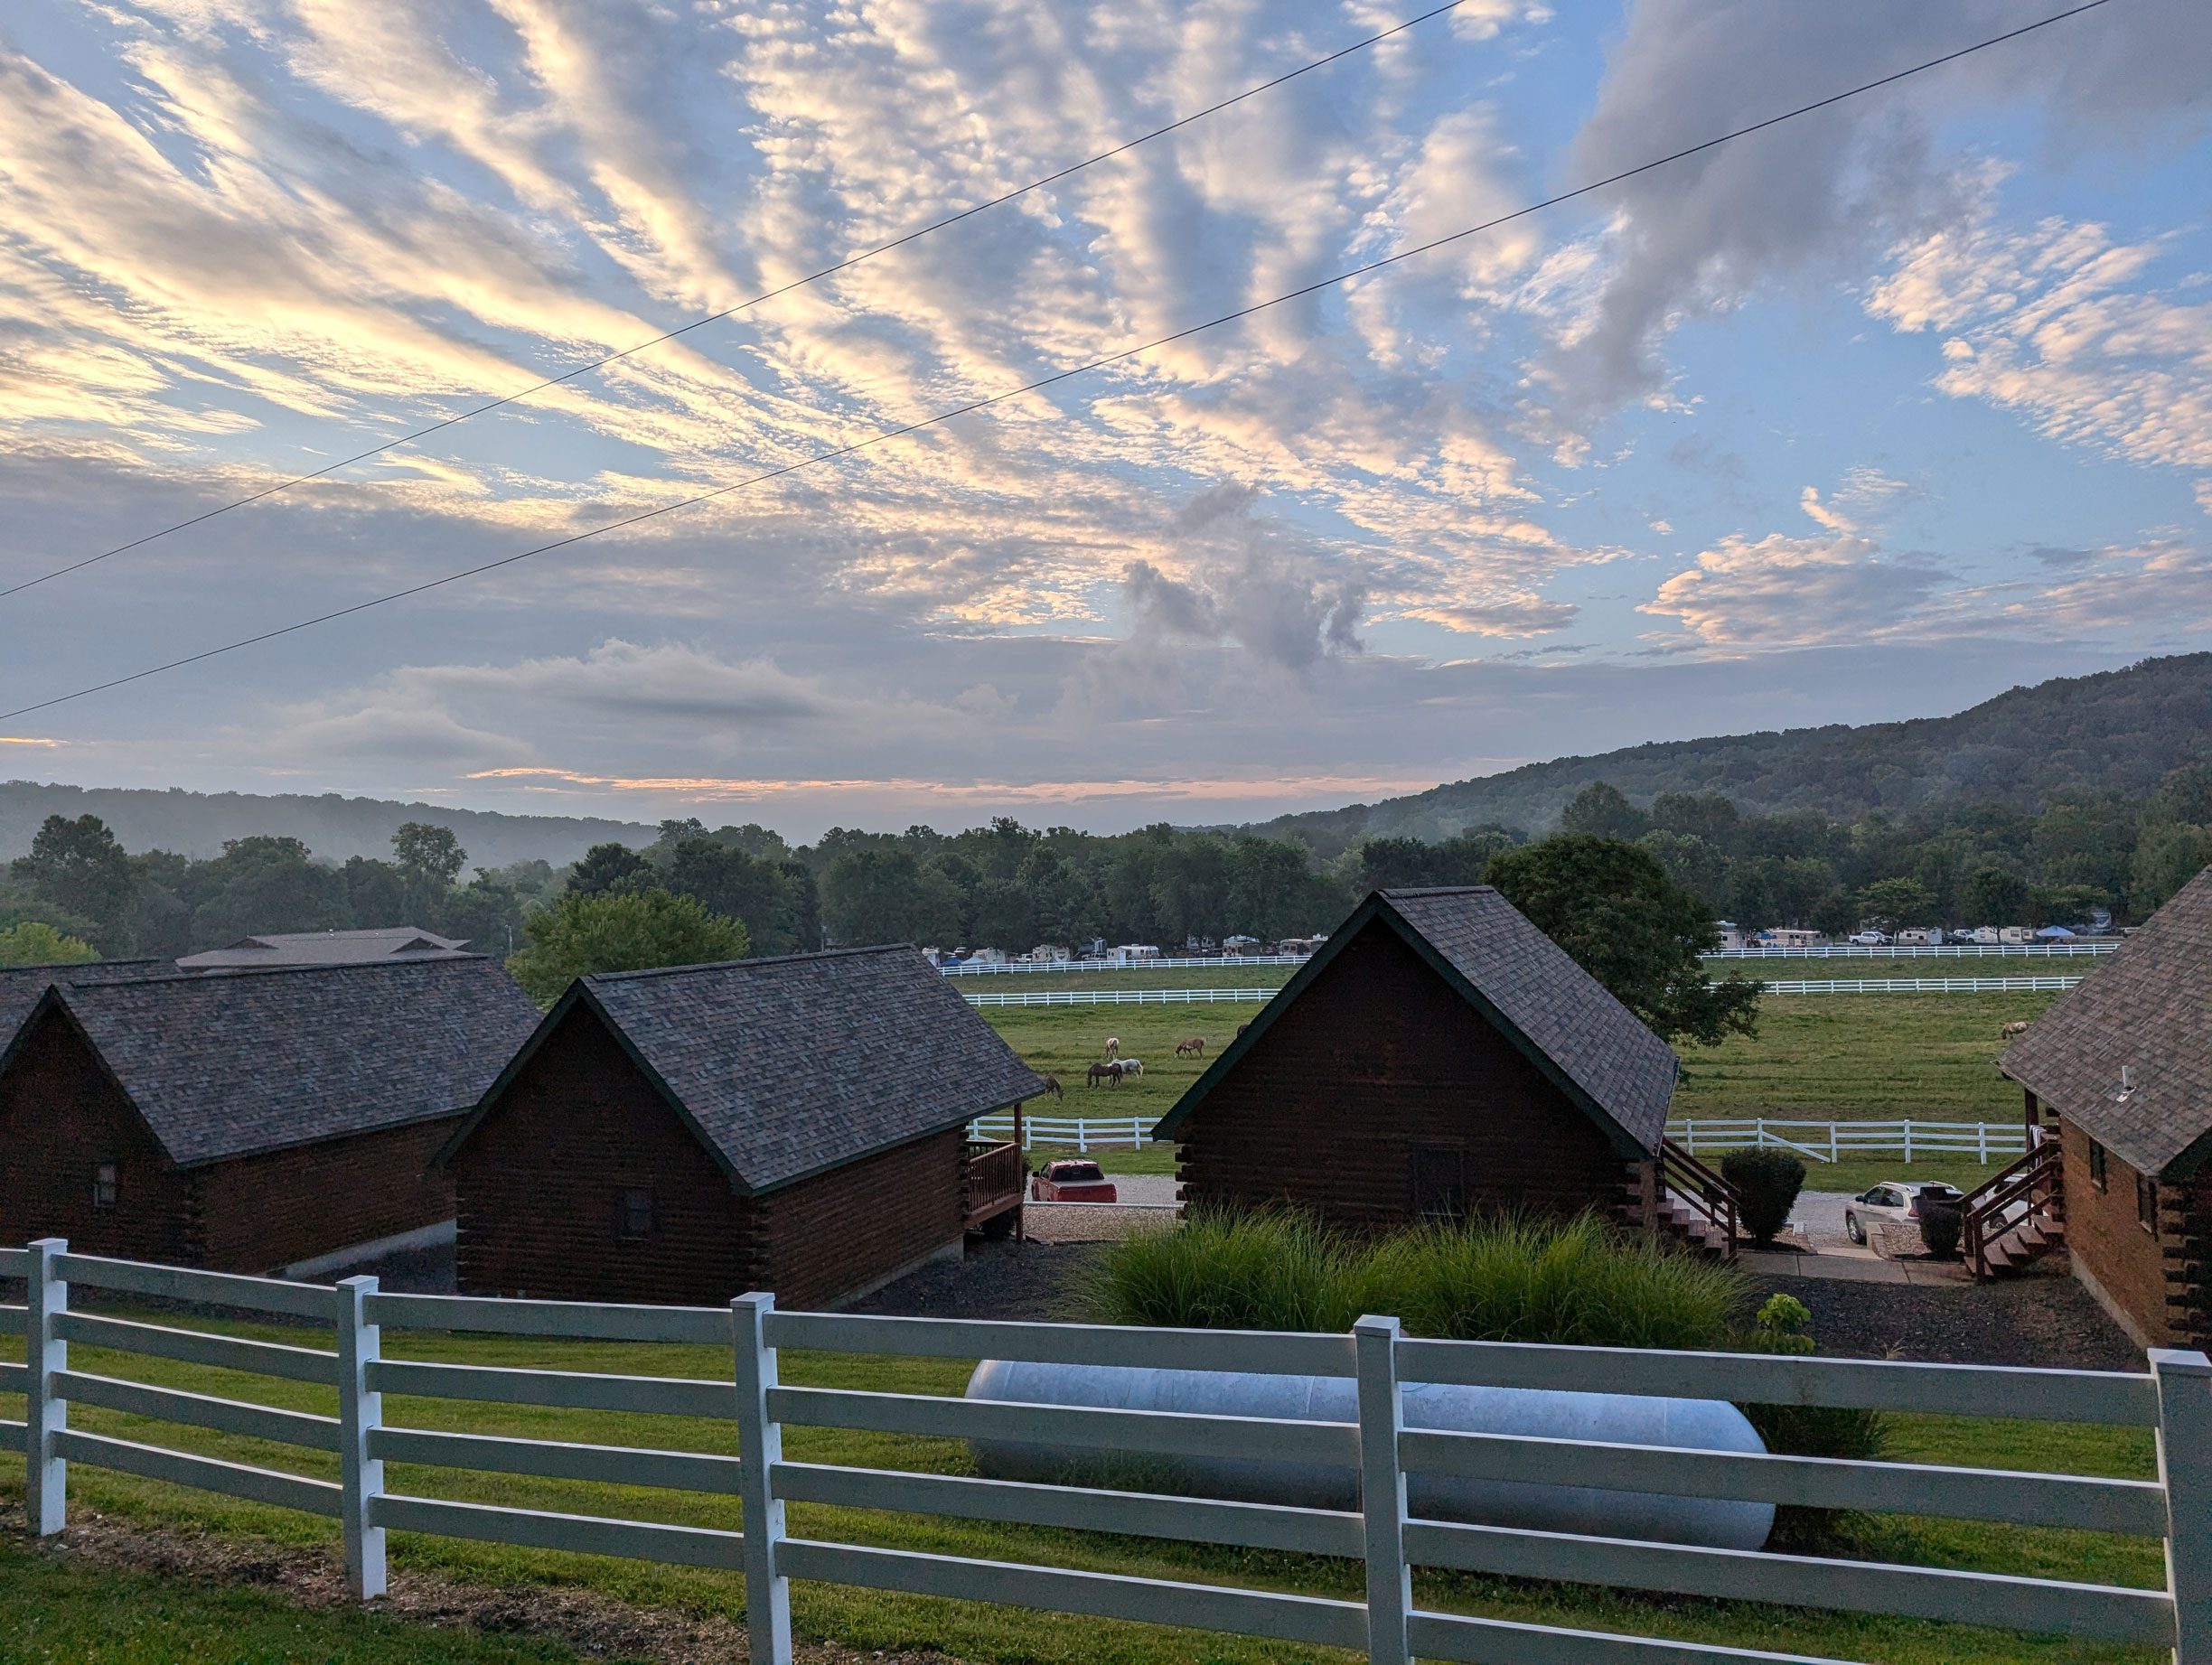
[749, 962]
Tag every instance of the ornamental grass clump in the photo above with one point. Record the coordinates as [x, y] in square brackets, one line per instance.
[1507, 1278]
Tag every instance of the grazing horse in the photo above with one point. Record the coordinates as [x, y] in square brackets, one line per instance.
[1192, 1048]
[1052, 1086]
[1130, 1066]
[1113, 1047]
[2010, 1030]
[1110, 1072]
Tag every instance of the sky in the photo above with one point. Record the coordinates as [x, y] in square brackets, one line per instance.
[1870, 414]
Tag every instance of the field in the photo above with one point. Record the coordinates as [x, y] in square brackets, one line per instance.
[55, 1612]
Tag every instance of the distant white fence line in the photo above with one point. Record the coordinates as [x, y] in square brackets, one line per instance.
[1833, 1141]
[2174, 1398]
[1118, 996]
[1083, 1132]
[1179, 963]
[1846, 950]
[1915, 985]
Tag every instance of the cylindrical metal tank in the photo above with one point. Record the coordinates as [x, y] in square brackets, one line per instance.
[1613, 1418]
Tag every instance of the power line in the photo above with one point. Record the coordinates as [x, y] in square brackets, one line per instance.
[728, 312]
[1042, 382]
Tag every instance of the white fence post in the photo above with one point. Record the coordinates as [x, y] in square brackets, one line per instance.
[46, 1412]
[2184, 1469]
[1831, 1141]
[760, 1447]
[1382, 1493]
[1982, 1128]
[1908, 1138]
[1081, 1138]
[361, 1408]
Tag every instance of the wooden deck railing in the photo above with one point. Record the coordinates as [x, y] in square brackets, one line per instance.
[2037, 1180]
[995, 1179]
[1701, 1191]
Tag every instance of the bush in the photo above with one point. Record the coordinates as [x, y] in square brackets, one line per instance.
[1768, 1182]
[1807, 1430]
[1514, 1278]
[33, 942]
[1940, 1225]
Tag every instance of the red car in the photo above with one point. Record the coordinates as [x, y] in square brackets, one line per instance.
[1071, 1180]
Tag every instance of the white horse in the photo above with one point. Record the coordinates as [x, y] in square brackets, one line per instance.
[1113, 1046]
[1132, 1066]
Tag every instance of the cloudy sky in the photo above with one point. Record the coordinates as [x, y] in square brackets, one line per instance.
[1869, 415]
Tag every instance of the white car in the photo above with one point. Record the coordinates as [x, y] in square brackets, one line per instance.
[1868, 939]
[1893, 1202]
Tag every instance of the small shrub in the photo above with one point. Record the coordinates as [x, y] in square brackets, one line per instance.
[1507, 1279]
[1940, 1225]
[1768, 1182]
[1807, 1430]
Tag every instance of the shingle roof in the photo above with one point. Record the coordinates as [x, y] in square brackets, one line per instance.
[228, 1065]
[2147, 1008]
[1597, 1050]
[328, 948]
[20, 985]
[791, 1065]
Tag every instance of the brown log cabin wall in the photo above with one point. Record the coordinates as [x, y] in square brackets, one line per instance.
[61, 1116]
[259, 1213]
[1379, 1058]
[541, 1182]
[2155, 1280]
[844, 1229]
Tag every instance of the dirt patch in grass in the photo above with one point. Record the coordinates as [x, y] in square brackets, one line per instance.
[312, 1576]
[2041, 1317]
[1037, 1282]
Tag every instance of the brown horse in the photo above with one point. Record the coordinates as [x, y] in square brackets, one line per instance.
[1052, 1086]
[1192, 1048]
[1110, 1072]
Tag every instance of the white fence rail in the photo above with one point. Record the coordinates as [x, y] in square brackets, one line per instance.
[1916, 985]
[1117, 997]
[1850, 950]
[1083, 1132]
[1213, 962]
[2175, 1399]
[1837, 1141]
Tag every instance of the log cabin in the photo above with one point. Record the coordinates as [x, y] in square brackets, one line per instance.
[681, 1136]
[249, 1121]
[1439, 1056]
[2117, 1076]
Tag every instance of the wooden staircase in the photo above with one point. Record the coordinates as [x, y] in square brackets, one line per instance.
[2018, 1216]
[1678, 1197]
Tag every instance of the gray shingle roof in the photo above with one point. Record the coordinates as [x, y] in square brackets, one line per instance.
[2147, 1008]
[20, 985]
[227, 1064]
[791, 1065]
[1600, 1051]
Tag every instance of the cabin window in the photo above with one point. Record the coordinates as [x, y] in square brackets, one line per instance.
[1440, 1183]
[2097, 1166]
[637, 1214]
[106, 1183]
[2146, 1203]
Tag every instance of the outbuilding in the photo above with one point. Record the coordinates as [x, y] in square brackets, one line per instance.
[795, 1123]
[2119, 1071]
[1437, 1056]
[249, 1121]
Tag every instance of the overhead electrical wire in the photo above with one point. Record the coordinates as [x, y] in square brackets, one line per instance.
[766, 296]
[1042, 382]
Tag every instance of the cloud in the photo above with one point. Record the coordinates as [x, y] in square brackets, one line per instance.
[1797, 592]
[1828, 517]
[2050, 321]
[2158, 592]
[1821, 197]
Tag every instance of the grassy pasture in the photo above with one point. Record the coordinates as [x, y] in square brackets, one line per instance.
[60, 1614]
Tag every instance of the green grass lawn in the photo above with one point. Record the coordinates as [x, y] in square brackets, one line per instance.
[1065, 1041]
[869, 1620]
[1862, 1058]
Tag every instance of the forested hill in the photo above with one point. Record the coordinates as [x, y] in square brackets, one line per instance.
[2119, 730]
[334, 827]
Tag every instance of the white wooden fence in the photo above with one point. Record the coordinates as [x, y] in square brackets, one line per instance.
[1116, 996]
[1914, 985]
[2175, 1399]
[1833, 1141]
[1851, 950]
[1083, 1132]
[1018, 967]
